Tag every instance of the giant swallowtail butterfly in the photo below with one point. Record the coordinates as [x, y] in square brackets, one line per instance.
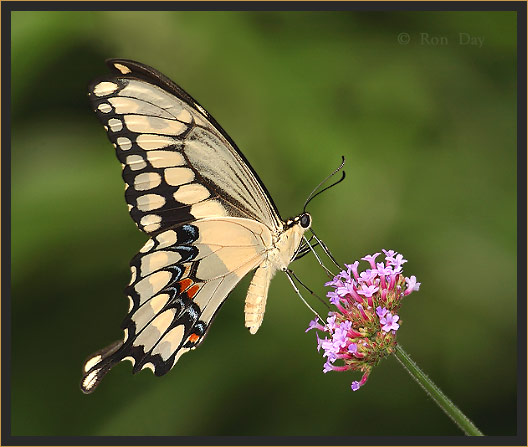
[209, 218]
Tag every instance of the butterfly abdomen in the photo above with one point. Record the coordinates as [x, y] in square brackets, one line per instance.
[257, 295]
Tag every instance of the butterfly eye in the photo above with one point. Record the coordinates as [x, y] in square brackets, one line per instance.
[306, 220]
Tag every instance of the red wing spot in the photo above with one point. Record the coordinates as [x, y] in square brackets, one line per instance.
[192, 291]
[193, 338]
[185, 284]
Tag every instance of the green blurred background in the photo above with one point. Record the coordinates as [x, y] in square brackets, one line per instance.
[429, 134]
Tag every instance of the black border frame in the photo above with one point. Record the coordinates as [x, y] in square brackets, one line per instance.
[518, 6]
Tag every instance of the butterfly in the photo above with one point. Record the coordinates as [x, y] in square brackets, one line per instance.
[209, 218]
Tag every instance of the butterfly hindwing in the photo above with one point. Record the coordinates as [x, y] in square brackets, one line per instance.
[180, 278]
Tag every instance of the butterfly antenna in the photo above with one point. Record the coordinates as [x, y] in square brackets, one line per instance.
[325, 249]
[289, 275]
[328, 272]
[313, 194]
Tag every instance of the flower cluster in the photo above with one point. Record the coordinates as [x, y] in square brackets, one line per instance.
[363, 328]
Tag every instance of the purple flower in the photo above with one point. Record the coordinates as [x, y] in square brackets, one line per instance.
[330, 350]
[371, 259]
[346, 289]
[327, 367]
[368, 276]
[389, 322]
[368, 291]
[382, 270]
[352, 268]
[361, 328]
[389, 253]
[334, 298]
[340, 335]
[398, 262]
[336, 282]
[314, 324]
[381, 311]
[330, 322]
[344, 275]
[412, 285]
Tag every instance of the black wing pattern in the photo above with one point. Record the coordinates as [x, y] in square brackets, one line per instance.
[210, 218]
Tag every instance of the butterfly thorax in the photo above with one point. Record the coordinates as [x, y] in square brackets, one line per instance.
[278, 258]
[289, 240]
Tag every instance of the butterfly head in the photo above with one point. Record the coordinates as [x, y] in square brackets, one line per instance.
[304, 220]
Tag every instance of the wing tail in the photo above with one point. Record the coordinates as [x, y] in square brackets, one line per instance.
[98, 365]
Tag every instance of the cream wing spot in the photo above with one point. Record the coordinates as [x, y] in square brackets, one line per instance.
[133, 270]
[158, 302]
[104, 108]
[152, 227]
[130, 359]
[148, 245]
[147, 180]
[92, 362]
[124, 143]
[163, 320]
[166, 239]
[170, 342]
[178, 176]
[191, 193]
[208, 208]
[151, 222]
[105, 88]
[151, 93]
[165, 159]
[157, 260]
[115, 124]
[153, 331]
[149, 202]
[122, 68]
[146, 312]
[141, 124]
[136, 162]
[150, 366]
[152, 141]
[185, 116]
[152, 284]
[90, 379]
[124, 105]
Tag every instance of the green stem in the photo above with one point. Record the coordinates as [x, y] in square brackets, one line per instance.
[440, 398]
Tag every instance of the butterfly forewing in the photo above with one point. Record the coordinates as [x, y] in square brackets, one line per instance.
[178, 164]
